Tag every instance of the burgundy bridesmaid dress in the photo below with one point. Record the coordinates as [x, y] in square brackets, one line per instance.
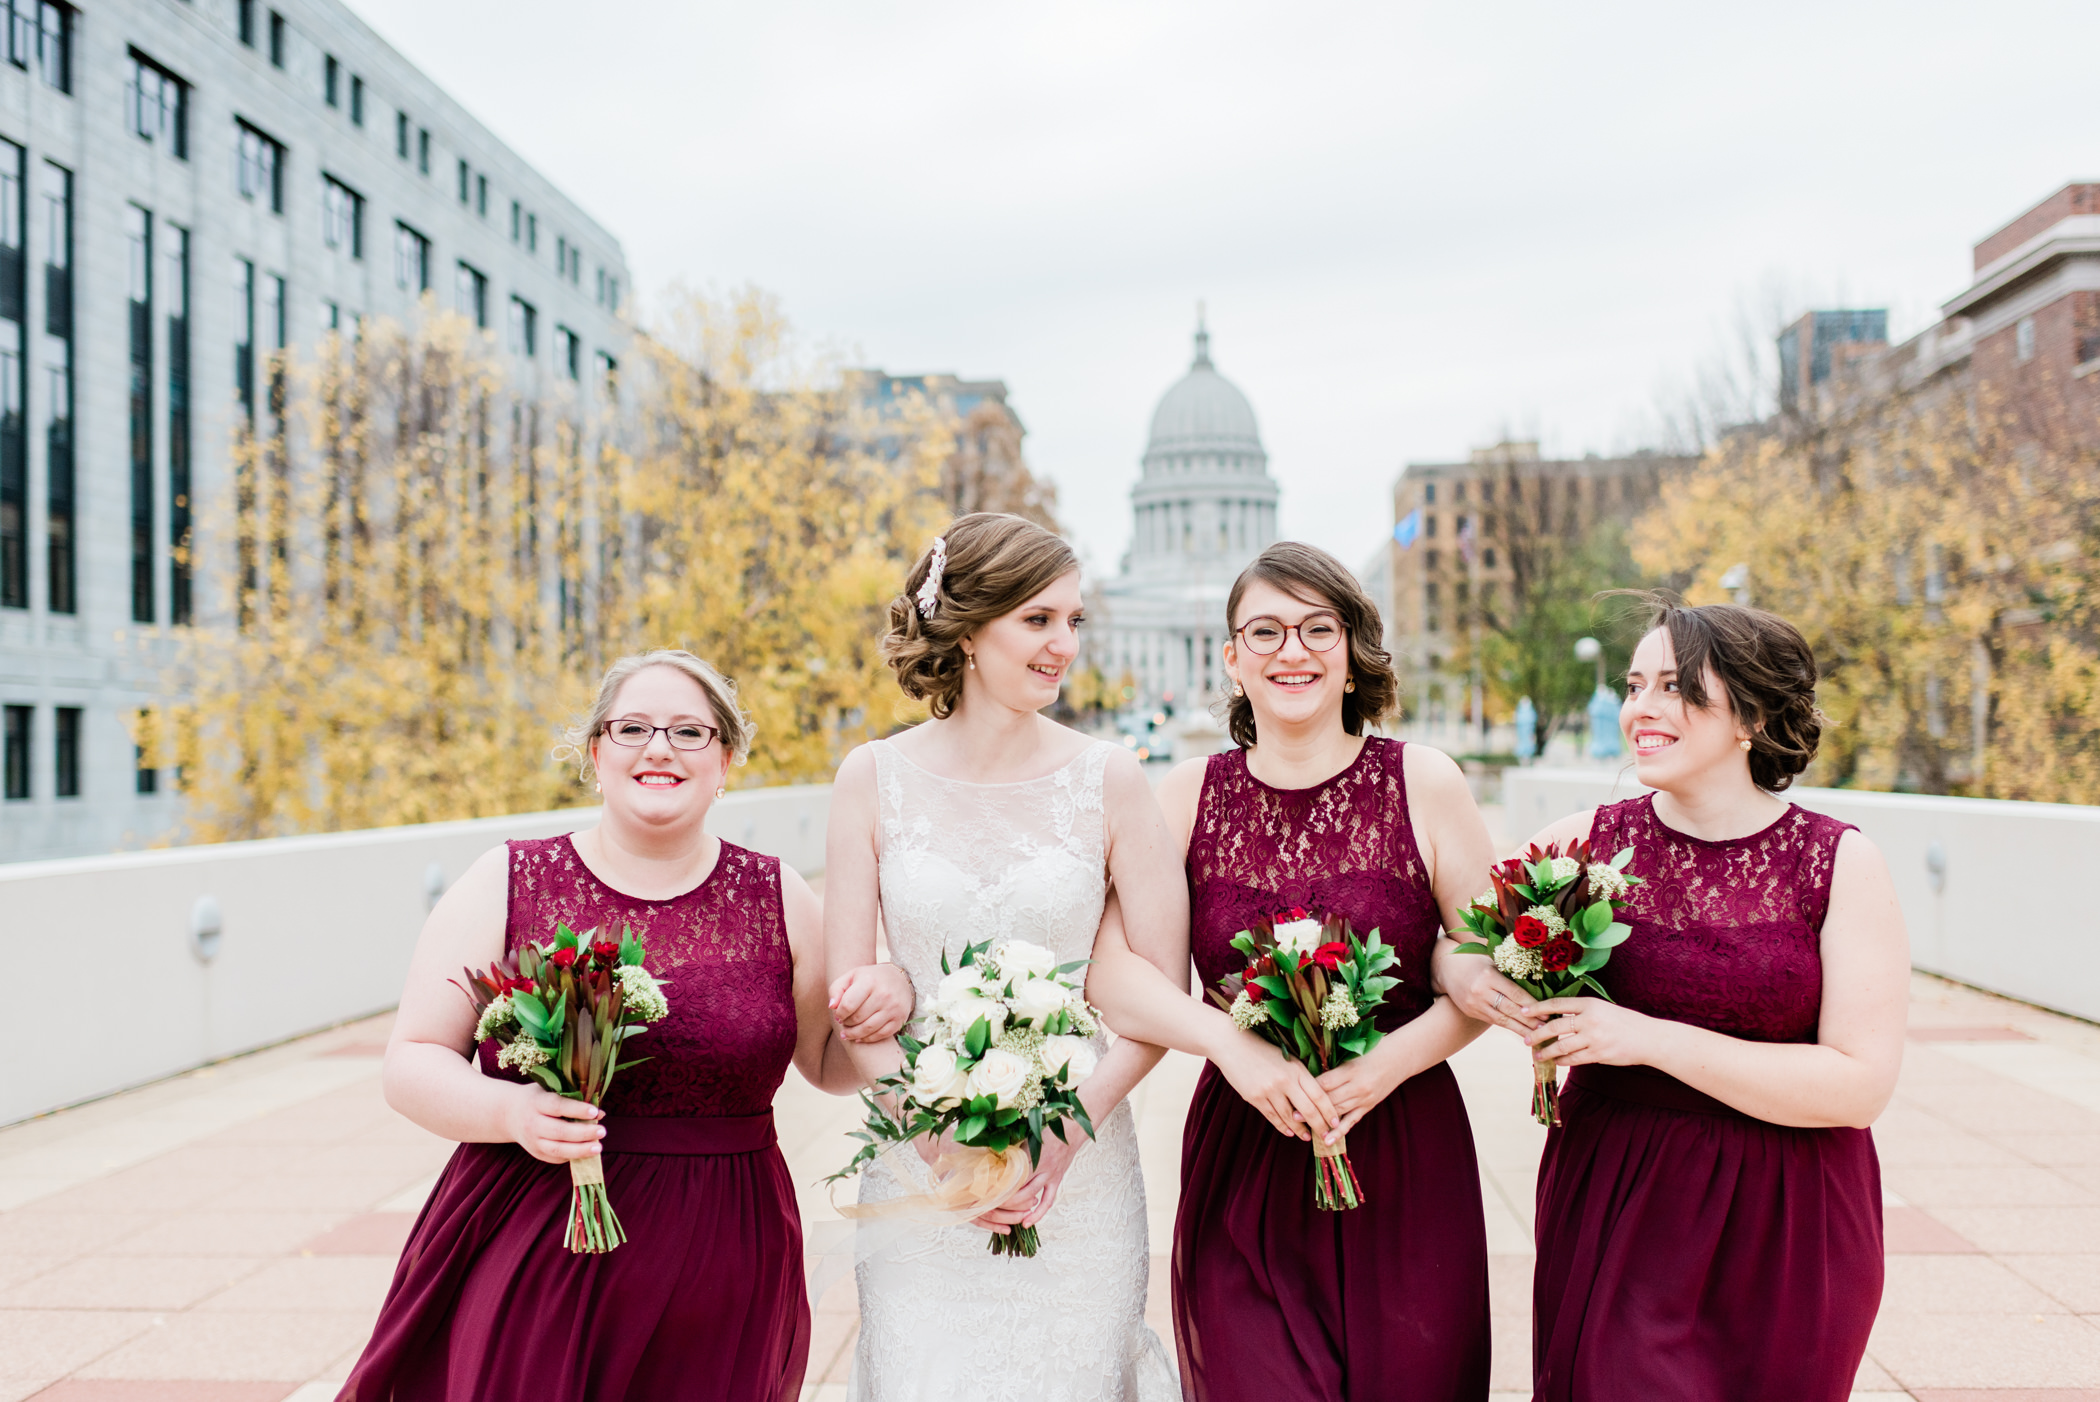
[1686, 1250]
[1273, 1298]
[706, 1297]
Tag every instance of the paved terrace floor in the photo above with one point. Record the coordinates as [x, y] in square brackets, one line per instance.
[226, 1236]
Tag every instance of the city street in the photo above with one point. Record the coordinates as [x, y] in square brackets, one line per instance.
[226, 1236]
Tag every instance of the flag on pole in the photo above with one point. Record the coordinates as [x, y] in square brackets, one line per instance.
[1408, 528]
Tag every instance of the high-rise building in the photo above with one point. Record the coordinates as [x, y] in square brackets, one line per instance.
[1820, 345]
[185, 188]
[1203, 508]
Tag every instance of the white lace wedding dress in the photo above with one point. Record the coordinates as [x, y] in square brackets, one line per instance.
[942, 1319]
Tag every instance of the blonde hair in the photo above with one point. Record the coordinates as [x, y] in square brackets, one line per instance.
[994, 564]
[730, 720]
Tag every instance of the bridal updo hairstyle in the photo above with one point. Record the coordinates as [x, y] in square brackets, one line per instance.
[730, 720]
[1318, 580]
[995, 564]
[1766, 669]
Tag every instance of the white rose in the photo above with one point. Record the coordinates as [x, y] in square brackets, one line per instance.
[963, 1013]
[1069, 1051]
[1001, 1074]
[1298, 936]
[1018, 959]
[963, 983]
[936, 1081]
[1038, 999]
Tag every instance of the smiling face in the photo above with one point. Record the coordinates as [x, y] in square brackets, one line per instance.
[1676, 744]
[656, 783]
[1022, 657]
[1297, 684]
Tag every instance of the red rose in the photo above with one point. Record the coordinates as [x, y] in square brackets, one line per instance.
[563, 958]
[1559, 954]
[1329, 956]
[606, 950]
[1531, 932]
[517, 985]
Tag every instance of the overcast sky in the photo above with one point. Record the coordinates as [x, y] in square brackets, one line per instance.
[1417, 227]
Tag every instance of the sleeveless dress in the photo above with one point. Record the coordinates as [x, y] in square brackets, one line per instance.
[1684, 1248]
[1273, 1298]
[942, 1319]
[706, 1296]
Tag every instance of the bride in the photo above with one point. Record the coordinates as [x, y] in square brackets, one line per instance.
[991, 822]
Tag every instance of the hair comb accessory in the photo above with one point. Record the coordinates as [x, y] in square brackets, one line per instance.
[930, 592]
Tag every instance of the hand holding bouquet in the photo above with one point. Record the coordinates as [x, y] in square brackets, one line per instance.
[559, 1013]
[1549, 922]
[1307, 989]
[1004, 1052]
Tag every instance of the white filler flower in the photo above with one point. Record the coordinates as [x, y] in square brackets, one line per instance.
[1339, 1010]
[1247, 1014]
[523, 1054]
[936, 1080]
[1068, 1051]
[493, 1016]
[1517, 961]
[1298, 936]
[1018, 959]
[641, 993]
[1607, 882]
[1000, 1074]
[1038, 999]
[1565, 869]
[1549, 917]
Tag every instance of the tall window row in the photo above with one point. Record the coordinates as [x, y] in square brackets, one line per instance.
[14, 384]
[40, 39]
[138, 238]
[55, 198]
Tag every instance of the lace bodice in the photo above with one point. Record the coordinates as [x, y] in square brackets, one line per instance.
[960, 863]
[1342, 847]
[1726, 935]
[942, 1319]
[722, 951]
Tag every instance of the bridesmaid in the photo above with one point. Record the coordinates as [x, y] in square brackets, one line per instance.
[707, 1292]
[1709, 1215]
[1387, 1302]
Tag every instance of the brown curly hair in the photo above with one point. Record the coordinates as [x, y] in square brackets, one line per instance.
[996, 563]
[1767, 673]
[1312, 576]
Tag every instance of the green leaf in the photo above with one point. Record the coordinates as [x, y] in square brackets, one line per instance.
[1473, 949]
[1613, 936]
[979, 1038]
[1619, 862]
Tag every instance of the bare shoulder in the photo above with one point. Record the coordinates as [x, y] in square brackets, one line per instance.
[1575, 827]
[800, 905]
[486, 880]
[1858, 862]
[1182, 789]
[856, 773]
[1433, 776]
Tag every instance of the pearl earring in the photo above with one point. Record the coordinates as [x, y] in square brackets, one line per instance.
[1238, 690]
[973, 662]
[1349, 685]
[722, 792]
[1745, 743]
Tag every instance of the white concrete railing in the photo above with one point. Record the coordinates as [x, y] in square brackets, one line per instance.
[1985, 883]
[169, 959]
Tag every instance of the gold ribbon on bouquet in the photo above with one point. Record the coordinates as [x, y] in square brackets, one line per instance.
[967, 1183]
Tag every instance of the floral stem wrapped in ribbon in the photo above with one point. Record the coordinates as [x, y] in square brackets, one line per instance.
[1005, 1049]
[1550, 920]
[559, 1013]
[1308, 989]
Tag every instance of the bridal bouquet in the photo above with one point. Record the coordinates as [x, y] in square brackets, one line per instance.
[1551, 920]
[559, 1012]
[1307, 989]
[1004, 1051]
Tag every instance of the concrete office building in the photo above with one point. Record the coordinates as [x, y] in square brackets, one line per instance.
[184, 188]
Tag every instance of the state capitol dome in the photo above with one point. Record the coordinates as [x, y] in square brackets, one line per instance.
[1203, 411]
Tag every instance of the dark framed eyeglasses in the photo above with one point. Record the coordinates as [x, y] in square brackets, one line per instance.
[684, 735]
[1319, 632]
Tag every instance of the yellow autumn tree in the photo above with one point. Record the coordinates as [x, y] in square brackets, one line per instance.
[427, 566]
[1939, 553]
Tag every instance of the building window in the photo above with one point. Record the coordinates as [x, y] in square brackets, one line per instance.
[357, 101]
[65, 751]
[342, 217]
[138, 239]
[17, 751]
[175, 294]
[157, 105]
[1429, 527]
[411, 260]
[276, 40]
[260, 167]
[1487, 558]
[423, 150]
[608, 375]
[524, 327]
[146, 778]
[401, 135]
[2023, 339]
[1429, 494]
[466, 182]
[481, 195]
[247, 9]
[331, 80]
[471, 290]
[56, 355]
[244, 347]
[532, 233]
[14, 384]
[568, 353]
[517, 222]
[608, 291]
[54, 41]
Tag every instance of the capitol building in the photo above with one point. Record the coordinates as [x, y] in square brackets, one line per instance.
[1203, 508]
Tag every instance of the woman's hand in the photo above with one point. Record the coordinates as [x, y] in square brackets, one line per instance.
[552, 1128]
[1477, 989]
[1031, 1202]
[872, 1003]
[1357, 1086]
[1590, 1030]
[1272, 1083]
